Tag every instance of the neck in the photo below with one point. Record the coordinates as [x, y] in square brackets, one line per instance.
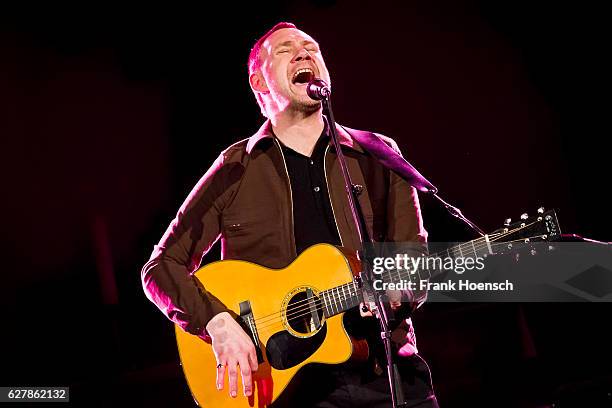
[298, 130]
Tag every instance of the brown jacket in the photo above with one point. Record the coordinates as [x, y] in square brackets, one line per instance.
[245, 199]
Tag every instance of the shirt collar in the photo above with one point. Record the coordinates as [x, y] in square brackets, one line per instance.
[265, 132]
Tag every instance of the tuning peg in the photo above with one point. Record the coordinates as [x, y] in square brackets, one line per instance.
[541, 210]
[524, 216]
[507, 222]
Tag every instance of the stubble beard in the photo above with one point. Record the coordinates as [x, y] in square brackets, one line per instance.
[305, 107]
[298, 105]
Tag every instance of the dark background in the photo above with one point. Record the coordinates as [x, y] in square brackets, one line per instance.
[109, 114]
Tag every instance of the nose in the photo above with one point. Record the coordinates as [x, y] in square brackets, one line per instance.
[302, 55]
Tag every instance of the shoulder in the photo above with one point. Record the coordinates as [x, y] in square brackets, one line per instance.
[235, 152]
[225, 162]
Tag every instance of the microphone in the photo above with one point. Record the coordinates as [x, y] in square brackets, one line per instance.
[318, 89]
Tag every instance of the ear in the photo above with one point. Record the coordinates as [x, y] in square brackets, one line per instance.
[258, 83]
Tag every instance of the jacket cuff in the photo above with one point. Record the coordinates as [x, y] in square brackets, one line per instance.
[197, 326]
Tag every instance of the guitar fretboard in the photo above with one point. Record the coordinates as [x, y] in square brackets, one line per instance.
[344, 297]
[544, 227]
[341, 298]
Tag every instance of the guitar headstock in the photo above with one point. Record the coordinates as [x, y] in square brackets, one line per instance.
[541, 227]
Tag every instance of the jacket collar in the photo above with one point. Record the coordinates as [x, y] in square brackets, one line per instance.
[265, 132]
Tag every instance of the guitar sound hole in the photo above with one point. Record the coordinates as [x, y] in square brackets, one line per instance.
[304, 316]
[306, 330]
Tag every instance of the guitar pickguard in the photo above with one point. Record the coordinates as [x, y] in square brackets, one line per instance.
[285, 350]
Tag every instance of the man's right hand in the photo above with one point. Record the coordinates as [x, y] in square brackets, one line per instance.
[234, 351]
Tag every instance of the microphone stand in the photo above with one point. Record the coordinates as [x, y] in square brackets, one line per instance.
[367, 276]
[395, 162]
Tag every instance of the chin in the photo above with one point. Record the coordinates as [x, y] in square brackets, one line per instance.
[306, 105]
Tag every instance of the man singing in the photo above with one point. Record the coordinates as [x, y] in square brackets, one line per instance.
[268, 198]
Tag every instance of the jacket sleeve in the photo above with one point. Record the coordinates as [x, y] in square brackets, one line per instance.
[404, 222]
[167, 276]
[405, 227]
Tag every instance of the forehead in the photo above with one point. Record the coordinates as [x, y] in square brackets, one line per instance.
[284, 35]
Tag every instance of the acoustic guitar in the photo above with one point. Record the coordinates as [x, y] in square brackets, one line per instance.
[294, 315]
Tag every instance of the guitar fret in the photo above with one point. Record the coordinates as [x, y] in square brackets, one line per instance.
[337, 302]
[325, 302]
[341, 298]
[454, 253]
[349, 297]
[334, 299]
[488, 244]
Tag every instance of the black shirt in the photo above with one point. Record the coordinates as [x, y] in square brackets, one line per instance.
[313, 218]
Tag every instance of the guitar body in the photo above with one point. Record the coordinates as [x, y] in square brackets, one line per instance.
[294, 315]
[287, 340]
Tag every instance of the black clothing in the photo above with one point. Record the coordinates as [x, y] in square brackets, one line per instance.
[313, 218]
[349, 384]
[354, 385]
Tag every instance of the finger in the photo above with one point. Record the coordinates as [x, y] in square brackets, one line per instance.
[394, 295]
[253, 360]
[220, 375]
[232, 374]
[364, 310]
[245, 371]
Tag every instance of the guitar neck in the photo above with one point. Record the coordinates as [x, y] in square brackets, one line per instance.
[341, 298]
[344, 297]
[543, 227]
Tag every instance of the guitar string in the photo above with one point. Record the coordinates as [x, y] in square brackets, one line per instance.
[479, 246]
[295, 309]
[317, 305]
[317, 302]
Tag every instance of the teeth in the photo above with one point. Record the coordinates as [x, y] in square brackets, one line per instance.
[299, 71]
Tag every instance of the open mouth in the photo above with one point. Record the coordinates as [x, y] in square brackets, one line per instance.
[303, 76]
